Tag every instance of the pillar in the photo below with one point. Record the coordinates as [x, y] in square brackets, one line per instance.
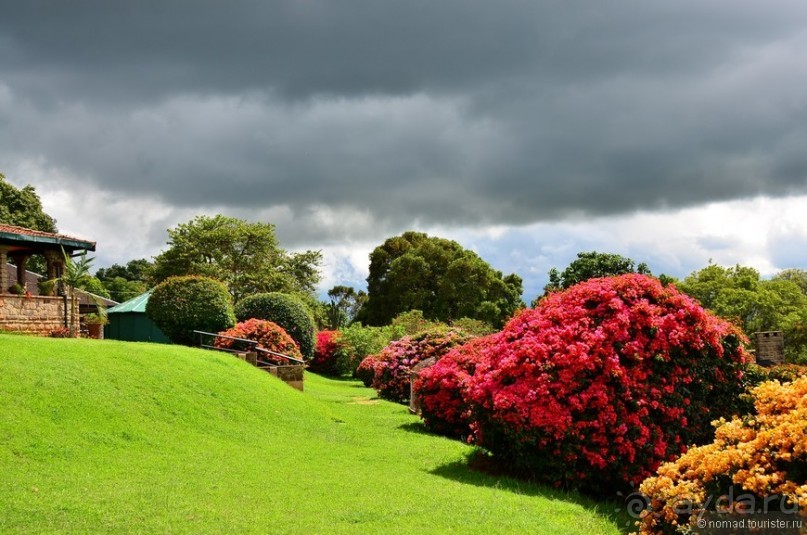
[22, 262]
[55, 264]
[3, 271]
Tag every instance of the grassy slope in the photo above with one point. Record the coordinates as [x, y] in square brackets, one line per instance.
[111, 437]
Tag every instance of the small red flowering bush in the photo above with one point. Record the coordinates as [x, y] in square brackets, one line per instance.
[60, 332]
[441, 389]
[392, 367]
[326, 353]
[365, 372]
[269, 336]
[601, 383]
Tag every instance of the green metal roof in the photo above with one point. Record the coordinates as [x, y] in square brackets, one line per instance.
[135, 304]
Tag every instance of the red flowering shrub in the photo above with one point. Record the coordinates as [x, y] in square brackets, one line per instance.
[325, 353]
[441, 389]
[395, 362]
[366, 370]
[269, 336]
[603, 382]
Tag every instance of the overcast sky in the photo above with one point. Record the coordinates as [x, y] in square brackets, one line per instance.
[671, 132]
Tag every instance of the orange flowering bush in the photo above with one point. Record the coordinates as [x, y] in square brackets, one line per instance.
[759, 456]
[269, 335]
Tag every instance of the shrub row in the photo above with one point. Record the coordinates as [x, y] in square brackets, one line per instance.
[596, 387]
[391, 368]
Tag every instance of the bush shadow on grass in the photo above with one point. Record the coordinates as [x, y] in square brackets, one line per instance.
[417, 428]
[479, 470]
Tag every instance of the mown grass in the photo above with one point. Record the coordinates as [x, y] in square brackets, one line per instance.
[122, 437]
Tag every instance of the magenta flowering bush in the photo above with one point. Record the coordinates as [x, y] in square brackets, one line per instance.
[325, 353]
[393, 366]
[365, 372]
[441, 389]
[596, 387]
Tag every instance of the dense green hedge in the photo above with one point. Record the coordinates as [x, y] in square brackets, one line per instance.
[181, 304]
[287, 311]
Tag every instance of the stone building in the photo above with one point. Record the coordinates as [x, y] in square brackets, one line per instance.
[23, 308]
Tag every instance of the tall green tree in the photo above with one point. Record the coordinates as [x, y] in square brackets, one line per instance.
[344, 304]
[23, 208]
[589, 265]
[126, 282]
[245, 256]
[740, 295]
[135, 270]
[414, 271]
[799, 276]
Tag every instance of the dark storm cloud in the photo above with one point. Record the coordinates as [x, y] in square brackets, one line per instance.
[441, 112]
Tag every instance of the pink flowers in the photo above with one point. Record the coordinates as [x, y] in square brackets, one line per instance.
[391, 369]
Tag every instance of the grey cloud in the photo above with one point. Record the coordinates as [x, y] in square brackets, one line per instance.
[449, 112]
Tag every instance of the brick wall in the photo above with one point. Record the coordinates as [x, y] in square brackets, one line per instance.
[770, 348]
[33, 315]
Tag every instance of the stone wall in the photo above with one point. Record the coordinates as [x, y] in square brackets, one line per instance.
[32, 315]
[291, 375]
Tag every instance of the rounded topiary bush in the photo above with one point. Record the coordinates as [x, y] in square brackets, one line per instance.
[394, 364]
[287, 311]
[755, 464]
[601, 383]
[326, 355]
[180, 305]
[269, 335]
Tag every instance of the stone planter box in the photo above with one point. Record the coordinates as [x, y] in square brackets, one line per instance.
[291, 375]
[414, 399]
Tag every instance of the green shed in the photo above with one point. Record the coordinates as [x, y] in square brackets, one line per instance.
[128, 321]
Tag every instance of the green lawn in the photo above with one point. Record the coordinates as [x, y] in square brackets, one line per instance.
[103, 436]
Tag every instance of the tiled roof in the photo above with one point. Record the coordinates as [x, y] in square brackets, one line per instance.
[11, 229]
[38, 235]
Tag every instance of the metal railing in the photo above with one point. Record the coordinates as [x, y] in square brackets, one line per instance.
[251, 344]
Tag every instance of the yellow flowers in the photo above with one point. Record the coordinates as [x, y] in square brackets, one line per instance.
[760, 456]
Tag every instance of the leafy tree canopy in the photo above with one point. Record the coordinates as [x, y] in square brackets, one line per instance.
[589, 265]
[134, 270]
[739, 294]
[799, 276]
[121, 290]
[435, 275]
[246, 256]
[344, 304]
[23, 208]
[125, 282]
